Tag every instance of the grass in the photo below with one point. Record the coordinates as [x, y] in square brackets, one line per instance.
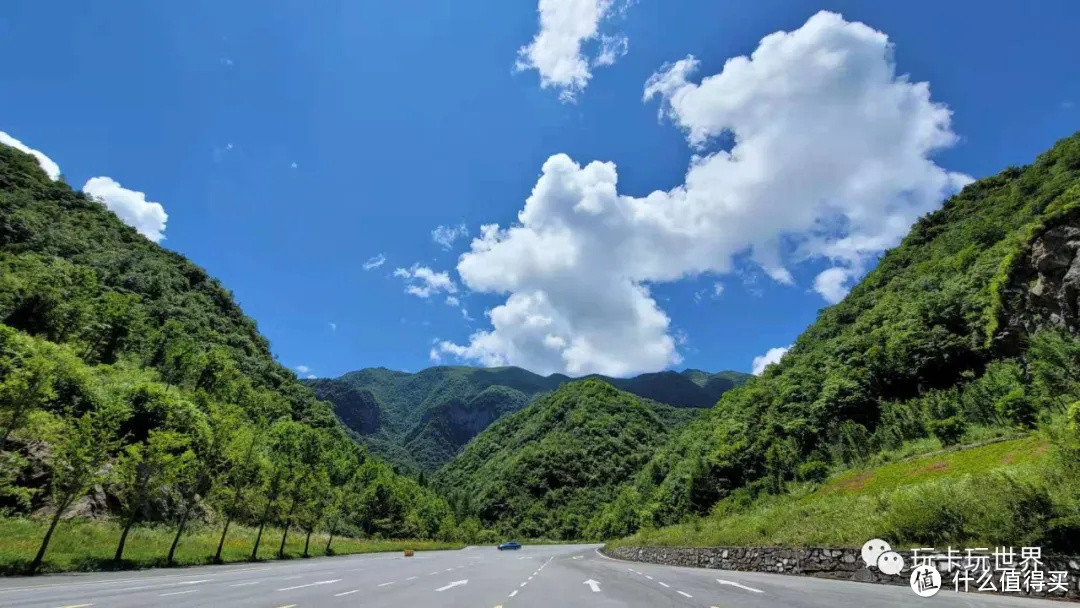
[80, 545]
[943, 497]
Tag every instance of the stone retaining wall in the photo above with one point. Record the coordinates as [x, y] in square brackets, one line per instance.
[843, 564]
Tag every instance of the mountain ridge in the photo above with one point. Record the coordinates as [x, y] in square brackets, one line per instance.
[419, 420]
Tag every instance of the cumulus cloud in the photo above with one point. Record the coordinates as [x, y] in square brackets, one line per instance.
[311, 376]
[832, 284]
[446, 235]
[772, 356]
[47, 164]
[422, 281]
[828, 157]
[130, 206]
[556, 51]
[303, 369]
[374, 262]
[452, 301]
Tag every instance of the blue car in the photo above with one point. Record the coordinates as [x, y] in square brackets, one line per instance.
[510, 545]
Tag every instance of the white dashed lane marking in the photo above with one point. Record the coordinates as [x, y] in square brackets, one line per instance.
[684, 594]
[346, 593]
[178, 592]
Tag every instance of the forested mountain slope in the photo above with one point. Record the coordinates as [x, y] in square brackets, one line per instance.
[128, 372]
[421, 420]
[542, 472]
[969, 323]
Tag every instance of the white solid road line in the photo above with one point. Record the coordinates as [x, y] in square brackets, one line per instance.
[78, 606]
[178, 592]
[683, 593]
[346, 593]
[310, 585]
[734, 584]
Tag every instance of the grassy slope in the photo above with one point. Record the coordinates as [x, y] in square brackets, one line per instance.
[861, 503]
[82, 545]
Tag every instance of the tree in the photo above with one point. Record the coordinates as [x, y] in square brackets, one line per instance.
[305, 453]
[80, 446]
[244, 463]
[144, 472]
[197, 468]
[26, 385]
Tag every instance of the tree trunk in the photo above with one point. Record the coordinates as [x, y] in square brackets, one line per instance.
[176, 539]
[288, 523]
[307, 541]
[221, 543]
[258, 537]
[329, 540]
[34, 565]
[281, 549]
[123, 539]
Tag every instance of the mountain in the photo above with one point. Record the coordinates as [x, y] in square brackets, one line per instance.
[966, 330]
[421, 420]
[541, 472]
[132, 384]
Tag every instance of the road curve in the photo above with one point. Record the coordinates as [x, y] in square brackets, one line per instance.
[477, 577]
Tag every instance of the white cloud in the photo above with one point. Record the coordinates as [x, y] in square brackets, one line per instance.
[452, 301]
[556, 50]
[374, 262]
[423, 281]
[303, 369]
[333, 326]
[225, 61]
[446, 235]
[130, 206]
[293, 165]
[772, 356]
[717, 289]
[829, 158]
[311, 376]
[47, 164]
[832, 284]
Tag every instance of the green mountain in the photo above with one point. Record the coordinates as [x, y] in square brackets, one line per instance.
[541, 472]
[128, 373]
[421, 420]
[966, 330]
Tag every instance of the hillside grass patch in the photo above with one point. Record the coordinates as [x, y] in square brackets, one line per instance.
[960, 496]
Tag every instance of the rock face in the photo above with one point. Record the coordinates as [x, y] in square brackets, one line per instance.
[1044, 289]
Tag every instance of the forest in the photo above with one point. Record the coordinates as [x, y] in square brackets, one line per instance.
[132, 386]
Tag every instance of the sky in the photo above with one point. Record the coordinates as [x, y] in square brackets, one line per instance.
[572, 186]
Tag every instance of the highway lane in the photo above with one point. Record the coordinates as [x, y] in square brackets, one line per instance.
[477, 577]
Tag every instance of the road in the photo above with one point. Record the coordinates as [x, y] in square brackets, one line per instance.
[552, 576]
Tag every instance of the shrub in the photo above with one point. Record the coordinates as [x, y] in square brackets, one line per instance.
[948, 431]
[815, 470]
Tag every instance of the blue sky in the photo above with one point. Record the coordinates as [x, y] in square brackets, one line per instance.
[291, 142]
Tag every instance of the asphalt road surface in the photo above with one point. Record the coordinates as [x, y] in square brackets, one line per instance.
[553, 576]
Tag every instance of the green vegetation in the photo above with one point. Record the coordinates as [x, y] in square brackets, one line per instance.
[420, 421]
[958, 332]
[542, 471]
[132, 385]
[962, 497]
[85, 545]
